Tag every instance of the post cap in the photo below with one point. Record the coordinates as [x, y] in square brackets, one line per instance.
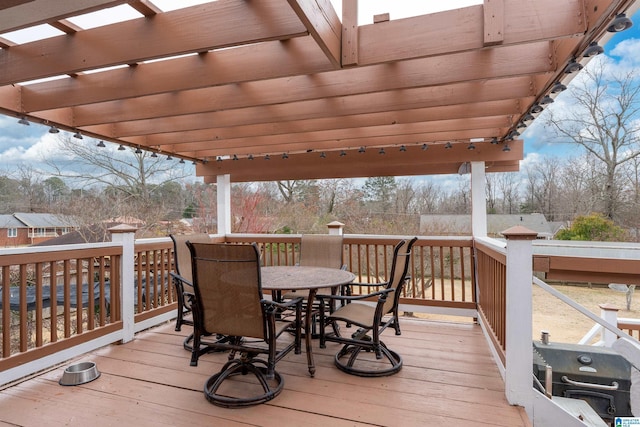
[519, 232]
[123, 228]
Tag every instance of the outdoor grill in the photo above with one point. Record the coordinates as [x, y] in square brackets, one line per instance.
[597, 375]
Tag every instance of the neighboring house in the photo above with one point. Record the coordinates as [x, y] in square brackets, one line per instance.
[21, 229]
[96, 233]
[460, 225]
[12, 232]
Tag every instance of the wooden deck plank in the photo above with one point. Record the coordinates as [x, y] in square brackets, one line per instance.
[448, 379]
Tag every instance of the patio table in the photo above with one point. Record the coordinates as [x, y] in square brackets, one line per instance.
[288, 278]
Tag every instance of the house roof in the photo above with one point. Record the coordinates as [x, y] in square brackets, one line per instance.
[496, 224]
[297, 82]
[45, 220]
[96, 233]
[9, 221]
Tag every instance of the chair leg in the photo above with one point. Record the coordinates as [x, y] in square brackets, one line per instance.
[396, 322]
[346, 360]
[195, 349]
[234, 367]
[179, 319]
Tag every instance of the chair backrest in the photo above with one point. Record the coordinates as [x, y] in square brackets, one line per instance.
[226, 280]
[182, 256]
[399, 267]
[321, 250]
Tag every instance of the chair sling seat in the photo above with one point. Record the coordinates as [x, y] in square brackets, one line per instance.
[182, 278]
[319, 250]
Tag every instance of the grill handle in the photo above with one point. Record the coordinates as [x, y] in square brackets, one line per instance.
[613, 386]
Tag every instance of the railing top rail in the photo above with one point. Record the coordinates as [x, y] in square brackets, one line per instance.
[616, 250]
[496, 245]
[359, 238]
[56, 248]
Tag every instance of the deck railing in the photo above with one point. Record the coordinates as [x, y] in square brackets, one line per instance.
[53, 299]
[492, 289]
[441, 269]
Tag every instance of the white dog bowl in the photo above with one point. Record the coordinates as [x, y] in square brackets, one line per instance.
[79, 373]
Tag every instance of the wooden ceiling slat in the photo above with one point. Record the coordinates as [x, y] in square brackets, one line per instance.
[261, 61]
[454, 94]
[468, 66]
[198, 28]
[186, 140]
[181, 124]
[42, 11]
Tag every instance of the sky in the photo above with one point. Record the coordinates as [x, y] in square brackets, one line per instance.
[27, 145]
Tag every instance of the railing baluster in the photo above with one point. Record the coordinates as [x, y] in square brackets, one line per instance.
[23, 308]
[53, 313]
[79, 281]
[6, 312]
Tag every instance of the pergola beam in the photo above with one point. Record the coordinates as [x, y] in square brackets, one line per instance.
[210, 26]
[393, 140]
[352, 164]
[323, 24]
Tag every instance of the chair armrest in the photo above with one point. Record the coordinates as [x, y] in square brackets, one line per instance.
[176, 276]
[282, 305]
[368, 284]
[356, 297]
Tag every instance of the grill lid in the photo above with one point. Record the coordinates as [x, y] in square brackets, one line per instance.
[582, 361]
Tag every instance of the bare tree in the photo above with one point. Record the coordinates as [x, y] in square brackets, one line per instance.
[543, 188]
[31, 189]
[428, 197]
[405, 195]
[604, 121]
[508, 184]
[130, 177]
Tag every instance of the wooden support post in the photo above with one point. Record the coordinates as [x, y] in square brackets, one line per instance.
[519, 322]
[610, 314]
[224, 204]
[126, 235]
[478, 200]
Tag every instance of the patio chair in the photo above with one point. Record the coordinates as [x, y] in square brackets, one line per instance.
[320, 250]
[371, 320]
[228, 300]
[182, 277]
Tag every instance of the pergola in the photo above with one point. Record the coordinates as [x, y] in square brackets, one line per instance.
[292, 89]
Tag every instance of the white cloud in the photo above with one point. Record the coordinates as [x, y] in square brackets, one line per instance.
[628, 51]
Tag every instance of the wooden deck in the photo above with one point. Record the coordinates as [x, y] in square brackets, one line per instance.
[448, 379]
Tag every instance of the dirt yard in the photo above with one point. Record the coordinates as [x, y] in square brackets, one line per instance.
[563, 323]
[567, 325]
